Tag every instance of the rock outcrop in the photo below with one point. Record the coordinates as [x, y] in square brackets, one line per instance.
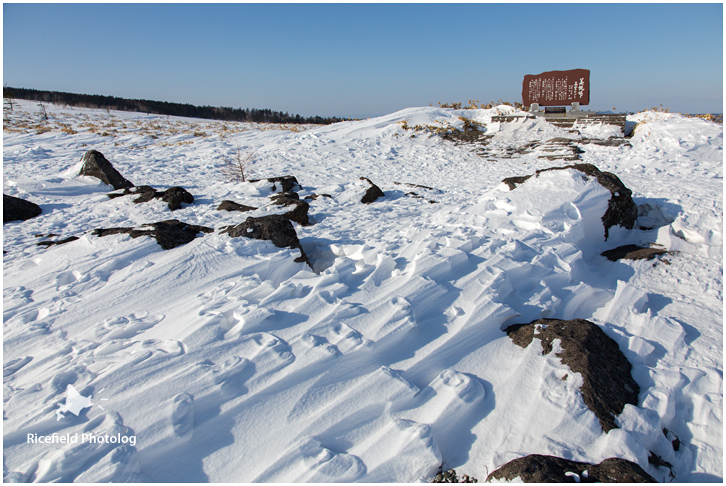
[536, 468]
[16, 209]
[606, 373]
[275, 228]
[622, 210]
[96, 165]
[169, 234]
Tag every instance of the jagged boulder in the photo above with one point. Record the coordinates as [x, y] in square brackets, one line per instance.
[227, 205]
[173, 197]
[536, 468]
[16, 209]
[275, 228]
[169, 234]
[607, 382]
[96, 165]
[372, 193]
[621, 210]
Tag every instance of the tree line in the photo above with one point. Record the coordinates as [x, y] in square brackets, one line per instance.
[163, 107]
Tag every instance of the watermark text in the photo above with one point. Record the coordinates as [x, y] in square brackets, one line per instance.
[84, 438]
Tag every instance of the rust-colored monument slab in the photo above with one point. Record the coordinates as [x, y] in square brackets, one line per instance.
[557, 88]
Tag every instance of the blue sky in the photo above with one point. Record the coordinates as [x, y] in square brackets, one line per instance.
[356, 60]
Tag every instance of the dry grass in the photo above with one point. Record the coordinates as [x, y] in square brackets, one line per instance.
[477, 105]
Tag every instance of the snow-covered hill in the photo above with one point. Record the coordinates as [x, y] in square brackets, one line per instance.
[227, 361]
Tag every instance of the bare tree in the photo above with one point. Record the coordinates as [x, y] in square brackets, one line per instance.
[238, 167]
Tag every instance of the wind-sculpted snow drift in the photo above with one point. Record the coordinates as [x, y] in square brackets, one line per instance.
[371, 347]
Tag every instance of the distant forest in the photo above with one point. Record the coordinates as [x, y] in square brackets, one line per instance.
[163, 107]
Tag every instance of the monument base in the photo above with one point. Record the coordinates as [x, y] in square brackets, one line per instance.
[568, 119]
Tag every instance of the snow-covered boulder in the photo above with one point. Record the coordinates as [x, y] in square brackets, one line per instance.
[607, 381]
[621, 209]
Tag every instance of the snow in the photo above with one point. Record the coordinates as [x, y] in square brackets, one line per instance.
[230, 362]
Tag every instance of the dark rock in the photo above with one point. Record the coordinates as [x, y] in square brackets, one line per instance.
[606, 373]
[169, 234]
[657, 461]
[513, 182]
[173, 197]
[96, 165]
[314, 197]
[536, 468]
[675, 441]
[451, 477]
[233, 206]
[145, 193]
[418, 186]
[58, 242]
[16, 209]
[633, 252]
[373, 192]
[275, 228]
[299, 211]
[282, 183]
[417, 196]
[284, 195]
[285, 183]
[621, 208]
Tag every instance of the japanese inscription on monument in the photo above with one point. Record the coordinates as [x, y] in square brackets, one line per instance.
[557, 88]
